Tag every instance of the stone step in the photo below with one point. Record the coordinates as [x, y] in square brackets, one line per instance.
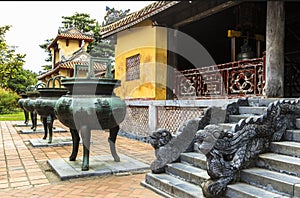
[187, 172]
[271, 180]
[173, 186]
[243, 190]
[286, 147]
[280, 163]
[195, 159]
[298, 123]
[292, 135]
[265, 101]
[237, 118]
[252, 110]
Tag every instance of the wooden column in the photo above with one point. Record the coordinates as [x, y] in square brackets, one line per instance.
[275, 49]
[172, 63]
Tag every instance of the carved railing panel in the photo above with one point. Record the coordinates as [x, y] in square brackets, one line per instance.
[246, 77]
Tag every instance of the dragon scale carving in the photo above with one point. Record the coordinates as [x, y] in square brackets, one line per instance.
[237, 149]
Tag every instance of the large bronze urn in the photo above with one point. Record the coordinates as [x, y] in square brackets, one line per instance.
[90, 104]
[29, 103]
[44, 105]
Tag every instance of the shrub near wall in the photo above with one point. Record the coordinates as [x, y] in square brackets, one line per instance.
[8, 101]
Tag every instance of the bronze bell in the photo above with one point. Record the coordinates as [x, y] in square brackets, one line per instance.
[246, 52]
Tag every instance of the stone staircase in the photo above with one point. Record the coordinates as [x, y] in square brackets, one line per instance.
[276, 174]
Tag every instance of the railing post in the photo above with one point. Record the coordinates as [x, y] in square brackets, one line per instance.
[264, 74]
[153, 122]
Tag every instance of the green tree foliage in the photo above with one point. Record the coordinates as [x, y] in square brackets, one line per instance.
[13, 78]
[24, 79]
[8, 101]
[11, 63]
[81, 21]
[46, 67]
[44, 46]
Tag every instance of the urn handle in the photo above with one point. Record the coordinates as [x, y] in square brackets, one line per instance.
[56, 78]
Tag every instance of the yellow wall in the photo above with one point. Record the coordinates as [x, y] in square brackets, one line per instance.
[67, 51]
[151, 43]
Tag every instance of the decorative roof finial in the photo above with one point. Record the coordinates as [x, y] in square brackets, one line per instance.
[82, 44]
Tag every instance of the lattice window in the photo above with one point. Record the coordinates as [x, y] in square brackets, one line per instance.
[136, 121]
[133, 67]
[171, 118]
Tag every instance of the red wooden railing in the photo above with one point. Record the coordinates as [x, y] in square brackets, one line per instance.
[239, 78]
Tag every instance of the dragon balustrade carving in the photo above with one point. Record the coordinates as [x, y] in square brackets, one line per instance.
[229, 151]
[168, 147]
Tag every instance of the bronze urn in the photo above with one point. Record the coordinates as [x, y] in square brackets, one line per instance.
[44, 105]
[91, 104]
[29, 103]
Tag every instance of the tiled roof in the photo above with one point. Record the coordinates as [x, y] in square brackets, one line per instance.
[98, 67]
[48, 73]
[136, 17]
[70, 65]
[71, 33]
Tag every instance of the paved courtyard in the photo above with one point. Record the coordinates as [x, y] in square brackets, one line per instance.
[25, 172]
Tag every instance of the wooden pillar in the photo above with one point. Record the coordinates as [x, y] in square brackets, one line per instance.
[275, 49]
[232, 48]
[172, 63]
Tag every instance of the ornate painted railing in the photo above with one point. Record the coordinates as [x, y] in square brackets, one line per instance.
[246, 77]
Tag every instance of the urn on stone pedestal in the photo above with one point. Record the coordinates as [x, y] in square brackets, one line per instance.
[29, 103]
[91, 104]
[44, 105]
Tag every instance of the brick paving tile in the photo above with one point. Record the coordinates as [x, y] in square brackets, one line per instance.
[39, 181]
[19, 184]
[3, 180]
[3, 185]
[18, 179]
[24, 171]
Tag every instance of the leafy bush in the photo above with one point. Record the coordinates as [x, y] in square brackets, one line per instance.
[8, 102]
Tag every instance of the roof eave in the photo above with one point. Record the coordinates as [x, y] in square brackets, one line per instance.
[47, 73]
[136, 21]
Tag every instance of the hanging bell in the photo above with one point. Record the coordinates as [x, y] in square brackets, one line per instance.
[246, 52]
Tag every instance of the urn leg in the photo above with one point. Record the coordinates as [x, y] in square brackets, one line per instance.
[50, 127]
[34, 120]
[75, 140]
[44, 119]
[26, 114]
[86, 139]
[112, 140]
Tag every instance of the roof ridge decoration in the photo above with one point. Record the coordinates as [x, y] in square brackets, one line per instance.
[80, 56]
[136, 17]
[73, 30]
